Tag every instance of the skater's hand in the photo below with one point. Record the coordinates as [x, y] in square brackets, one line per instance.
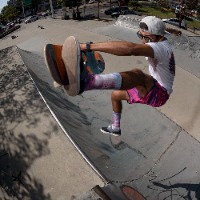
[83, 47]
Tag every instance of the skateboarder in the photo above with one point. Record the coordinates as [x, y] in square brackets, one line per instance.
[135, 86]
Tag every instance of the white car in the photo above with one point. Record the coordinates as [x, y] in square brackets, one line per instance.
[92, 1]
[31, 19]
[175, 22]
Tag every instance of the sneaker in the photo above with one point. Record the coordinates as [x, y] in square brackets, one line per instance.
[111, 131]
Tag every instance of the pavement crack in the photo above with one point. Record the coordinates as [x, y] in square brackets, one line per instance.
[149, 171]
[168, 147]
[161, 156]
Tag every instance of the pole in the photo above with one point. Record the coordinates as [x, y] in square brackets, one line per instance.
[181, 12]
[84, 6]
[51, 6]
[98, 10]
[23, 8]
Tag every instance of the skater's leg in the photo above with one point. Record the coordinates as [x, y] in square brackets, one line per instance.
[122, 81]
[136, 78]
[103, 81]
[117, 97]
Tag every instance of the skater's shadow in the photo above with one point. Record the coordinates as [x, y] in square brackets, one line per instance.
[172, 190]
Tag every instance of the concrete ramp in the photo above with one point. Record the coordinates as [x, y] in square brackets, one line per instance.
[154, 158]
[80, 118]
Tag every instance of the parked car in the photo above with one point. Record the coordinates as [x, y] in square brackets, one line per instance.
[18, 21]
[2, 28]
[175, 22]
[124, 12]
[10, 25]
[44, 14]
[31, 19]
[116, 9]
[92, 1]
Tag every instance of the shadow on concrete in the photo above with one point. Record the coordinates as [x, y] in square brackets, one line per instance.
[21, 142]
[173, 187]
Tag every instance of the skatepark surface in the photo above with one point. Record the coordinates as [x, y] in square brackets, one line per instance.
[51, 144]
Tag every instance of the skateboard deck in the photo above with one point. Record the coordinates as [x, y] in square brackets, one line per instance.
[68, 65]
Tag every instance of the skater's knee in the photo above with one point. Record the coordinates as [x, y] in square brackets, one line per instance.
[138, 71]
[139, 75]
[119, 95]
[115, 94]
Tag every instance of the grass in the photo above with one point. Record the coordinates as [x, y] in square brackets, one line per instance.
[164, 13]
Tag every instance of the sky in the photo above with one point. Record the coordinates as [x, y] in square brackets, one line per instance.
[3, 3]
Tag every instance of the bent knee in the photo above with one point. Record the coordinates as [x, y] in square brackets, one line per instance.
[138, 71]
[116, 94]
[120, 95]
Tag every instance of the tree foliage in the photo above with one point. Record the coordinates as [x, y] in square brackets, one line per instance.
[192, 4]
[163, 3]
[28, 4]
[61, 3]
[134, 4]
[9, 12]
[69, 3]
[198, 11]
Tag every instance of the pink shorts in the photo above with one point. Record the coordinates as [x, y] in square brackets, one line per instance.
[156, 97]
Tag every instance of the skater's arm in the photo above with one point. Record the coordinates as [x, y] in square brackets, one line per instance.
[121, 48]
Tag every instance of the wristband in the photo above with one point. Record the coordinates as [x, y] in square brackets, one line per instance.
[88, 46]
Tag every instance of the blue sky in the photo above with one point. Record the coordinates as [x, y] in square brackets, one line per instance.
[3, 3]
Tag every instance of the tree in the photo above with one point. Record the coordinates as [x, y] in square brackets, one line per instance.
[2, 21]
[35, 4]
[69, 3]
[76, 3]
[61, 3]
[198, 11]
[192, 4]
[134, 4]
[163, 3]
[28, 4]
[9, 12]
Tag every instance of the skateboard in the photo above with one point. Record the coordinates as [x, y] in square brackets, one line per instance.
[69, 66]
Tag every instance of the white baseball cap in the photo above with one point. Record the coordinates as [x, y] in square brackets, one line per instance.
[153, 25]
